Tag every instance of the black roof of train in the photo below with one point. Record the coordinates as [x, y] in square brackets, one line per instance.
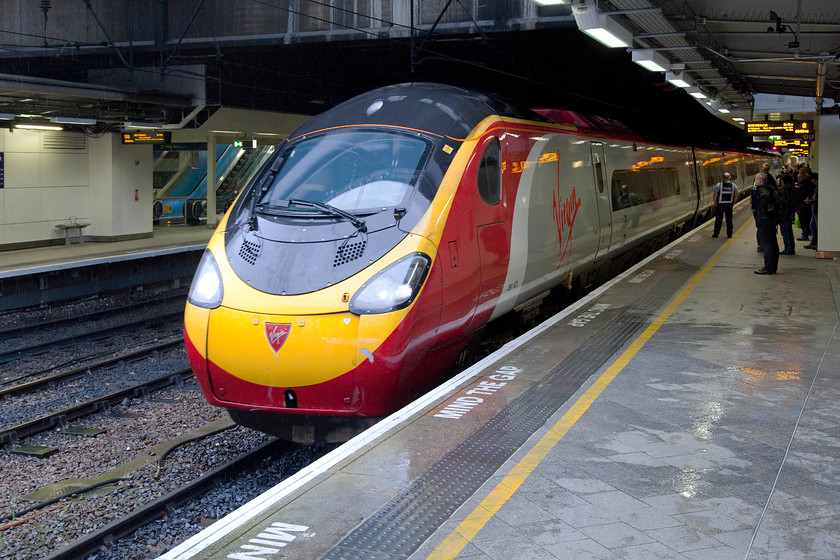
[437, 108]
[456, 111]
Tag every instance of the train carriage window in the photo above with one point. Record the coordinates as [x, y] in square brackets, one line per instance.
[631, 187]
[489, 178]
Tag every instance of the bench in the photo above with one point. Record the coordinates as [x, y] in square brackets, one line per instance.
[73, 225]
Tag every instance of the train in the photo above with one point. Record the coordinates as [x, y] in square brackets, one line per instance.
[385, 233]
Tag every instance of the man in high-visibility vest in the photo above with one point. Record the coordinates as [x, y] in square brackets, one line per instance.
[724, 198]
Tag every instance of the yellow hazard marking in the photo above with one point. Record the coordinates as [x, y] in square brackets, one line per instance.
[475, 521]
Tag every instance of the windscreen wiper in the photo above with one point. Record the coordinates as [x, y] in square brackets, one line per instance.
[261, 189]
[332, 210]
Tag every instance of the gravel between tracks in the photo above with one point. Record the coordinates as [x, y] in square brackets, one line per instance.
[41, 532]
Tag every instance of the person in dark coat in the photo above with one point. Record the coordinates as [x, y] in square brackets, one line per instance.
[787, 212]
[765, 221]
[806, 190]
[813, 202]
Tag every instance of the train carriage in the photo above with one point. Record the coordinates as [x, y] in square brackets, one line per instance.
[387, 232]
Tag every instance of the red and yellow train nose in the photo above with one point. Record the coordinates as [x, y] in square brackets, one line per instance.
[268, 359]
[248, 354]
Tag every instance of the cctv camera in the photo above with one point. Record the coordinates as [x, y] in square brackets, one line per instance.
[579, 6]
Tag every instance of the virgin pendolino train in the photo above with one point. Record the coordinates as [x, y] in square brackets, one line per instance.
[388, 231]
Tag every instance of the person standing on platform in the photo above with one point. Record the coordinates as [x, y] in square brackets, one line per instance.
[723, 199]
[771, 180]
[806, 191]
[753, 206]
[786, 199]
[813, 202]
[766, 221]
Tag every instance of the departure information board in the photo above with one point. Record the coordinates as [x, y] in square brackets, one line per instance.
[150, 137]
[786, 130]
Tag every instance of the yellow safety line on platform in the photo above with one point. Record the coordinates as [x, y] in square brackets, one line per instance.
[475, 521]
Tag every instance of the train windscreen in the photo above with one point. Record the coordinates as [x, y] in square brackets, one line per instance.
[352, 170]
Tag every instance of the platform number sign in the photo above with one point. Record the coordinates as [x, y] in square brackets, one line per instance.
[2, 170]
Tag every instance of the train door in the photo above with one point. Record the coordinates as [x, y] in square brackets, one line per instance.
[475, 245]
[602, 195]
[492, 233]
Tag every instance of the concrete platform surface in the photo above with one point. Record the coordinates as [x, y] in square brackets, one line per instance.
[686, 410]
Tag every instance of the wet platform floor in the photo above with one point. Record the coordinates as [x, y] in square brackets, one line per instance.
[689, 409]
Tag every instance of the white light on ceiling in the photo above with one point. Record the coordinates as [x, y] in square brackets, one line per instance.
[650, 59]
[550, 2]
[39, 127]
[72, 120]
[603, 29]
[680, 80]
[144, 125]
[696, 92]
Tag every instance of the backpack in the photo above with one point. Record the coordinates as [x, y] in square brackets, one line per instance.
[782, 201]
[776, 199]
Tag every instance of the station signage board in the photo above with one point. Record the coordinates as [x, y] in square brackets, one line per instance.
[792, 143]
[149, 137]
[785, 130]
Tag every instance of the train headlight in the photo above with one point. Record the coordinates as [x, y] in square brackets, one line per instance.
[393, 288]
[206, 290]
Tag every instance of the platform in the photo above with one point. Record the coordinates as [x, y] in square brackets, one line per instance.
[164, 239]
[686, 410]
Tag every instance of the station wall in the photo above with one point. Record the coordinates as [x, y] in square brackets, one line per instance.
[50, 178]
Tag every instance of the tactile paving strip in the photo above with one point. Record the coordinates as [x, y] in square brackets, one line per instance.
[402, 525]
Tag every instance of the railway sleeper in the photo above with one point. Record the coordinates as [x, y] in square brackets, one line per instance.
[40, 451]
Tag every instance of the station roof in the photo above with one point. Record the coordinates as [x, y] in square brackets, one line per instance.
[752, 58]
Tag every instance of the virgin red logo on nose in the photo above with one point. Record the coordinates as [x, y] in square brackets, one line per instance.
[276, 334]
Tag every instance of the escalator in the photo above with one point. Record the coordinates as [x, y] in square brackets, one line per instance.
[230, 185]
[185, 195]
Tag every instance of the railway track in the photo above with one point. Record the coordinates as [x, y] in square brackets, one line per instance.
[28, 341]
[38, 380]
[62, 417]
[37, 319]
[136, 401]
[146, 514]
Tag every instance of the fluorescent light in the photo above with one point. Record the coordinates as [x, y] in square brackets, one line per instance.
[550, 2]
[604, 29]
[39, 127]
[696, 92]
[72, 120]
[739, 119]
[677, 79]
[650, 59]
[723, 110]
[144, 125]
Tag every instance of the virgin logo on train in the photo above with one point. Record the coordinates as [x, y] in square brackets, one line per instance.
[565, 213]
[276, 334]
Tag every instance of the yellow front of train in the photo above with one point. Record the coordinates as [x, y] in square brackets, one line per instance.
[309, 353]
